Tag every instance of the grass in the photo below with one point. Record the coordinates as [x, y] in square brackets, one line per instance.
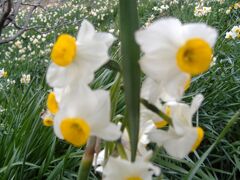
[31, 151]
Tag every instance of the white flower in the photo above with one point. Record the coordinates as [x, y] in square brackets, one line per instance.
[181, 138]
[98, 161]
[82, 113]
[171, 91]
[201, 10]
[119, 169]
[25, 79]
[174, 52]
[3, 73]
[145, 127]
[77, 60]
[229, 35]
[151, 91]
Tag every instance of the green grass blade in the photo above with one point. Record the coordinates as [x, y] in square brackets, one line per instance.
[220, 137]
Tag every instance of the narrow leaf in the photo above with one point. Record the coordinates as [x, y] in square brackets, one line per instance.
[131, 70]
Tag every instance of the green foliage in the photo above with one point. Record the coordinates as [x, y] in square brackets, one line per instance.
[31, 151]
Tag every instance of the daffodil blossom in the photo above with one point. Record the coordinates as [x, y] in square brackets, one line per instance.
[181, 138]
[77, 60]
[145, 127]
[120, 169]
[173, 52]
[47, 118]
[83, 113]
[3, 73]
[151, 92]
[53, 101]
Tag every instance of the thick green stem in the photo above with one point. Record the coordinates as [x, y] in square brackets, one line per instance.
[87, 159]
[131, 71]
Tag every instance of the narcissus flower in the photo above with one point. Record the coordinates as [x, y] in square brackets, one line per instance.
[54, 99]
[173, 52]
[47, 118]
[3, 73]
[153, 91]
[181, 138]
[77, 59]
[85, 113]
[119, 169]
[145, 127]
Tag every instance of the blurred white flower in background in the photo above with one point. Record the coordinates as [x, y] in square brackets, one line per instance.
[25, 79]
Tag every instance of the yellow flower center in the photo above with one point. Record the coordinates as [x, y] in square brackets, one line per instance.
[64, 50]
[134, 178]
[48, 121]
[200, 134]
[52, 103]
[5, 74]
[75, 131]
[162, 123]
[187, 84]
[194, 57]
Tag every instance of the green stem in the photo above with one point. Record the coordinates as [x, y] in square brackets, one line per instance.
[154, 109]
[193, 171]
[121, 151]
[131, 70]
[87, 159]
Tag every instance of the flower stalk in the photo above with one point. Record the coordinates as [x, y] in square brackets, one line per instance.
[87, 159]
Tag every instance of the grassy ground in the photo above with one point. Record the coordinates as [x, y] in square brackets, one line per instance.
[28, 150]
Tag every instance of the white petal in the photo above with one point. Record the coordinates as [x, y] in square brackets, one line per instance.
[105, 38]
[150, 90]
[196, 103]
[58, 93]
[159, 67]
[200, 30]
[179, 147]
[110, 132]
[159, 136]
[115, 169]
[80, 102]
[100, 117]
[56, 125]
[59, 76]
[86, 32]
[93, 55]
[98, 158]
[163, 34]
[173, 89]
[181, 117]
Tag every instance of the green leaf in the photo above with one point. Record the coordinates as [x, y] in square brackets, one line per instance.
[131, 71]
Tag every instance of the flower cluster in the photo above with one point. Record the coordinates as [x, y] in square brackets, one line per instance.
[185, 51]
[234, 33]
[25, 79]
[76, 111]
[201, 10]
[233, 7]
